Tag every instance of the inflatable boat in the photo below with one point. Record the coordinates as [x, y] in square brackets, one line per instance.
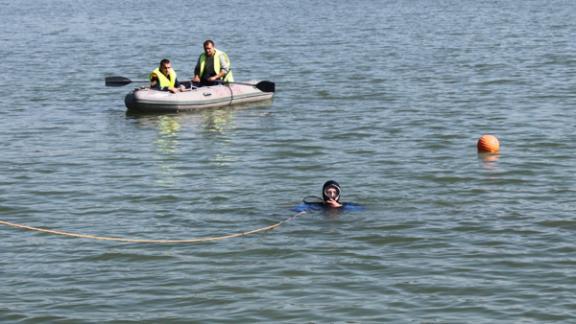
[193, 98]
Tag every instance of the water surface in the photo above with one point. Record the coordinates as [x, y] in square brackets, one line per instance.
[386, 97]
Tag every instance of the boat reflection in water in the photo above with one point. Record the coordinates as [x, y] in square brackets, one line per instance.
[176, 134]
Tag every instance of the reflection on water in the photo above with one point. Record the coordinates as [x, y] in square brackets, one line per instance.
[211, 120]
[216, 124]
[217, 121]
[213, 124]
[169, 125]
[489, 160]
[167, 140]
[167, 146]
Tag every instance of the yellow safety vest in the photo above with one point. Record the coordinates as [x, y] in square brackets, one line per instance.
[228, 77]
[164, 81]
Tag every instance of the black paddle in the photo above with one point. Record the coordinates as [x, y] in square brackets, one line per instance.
[264, 86]
[118, 81]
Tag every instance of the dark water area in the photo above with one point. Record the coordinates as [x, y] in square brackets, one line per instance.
[386, 97]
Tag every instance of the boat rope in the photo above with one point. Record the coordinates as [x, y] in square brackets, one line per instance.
[231, 93]
[150, 241]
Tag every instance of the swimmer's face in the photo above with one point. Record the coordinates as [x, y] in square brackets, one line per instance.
[331, 193]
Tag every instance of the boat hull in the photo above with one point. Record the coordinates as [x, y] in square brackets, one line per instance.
[148, 100]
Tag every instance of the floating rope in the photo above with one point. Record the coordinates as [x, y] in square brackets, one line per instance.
[128, 240]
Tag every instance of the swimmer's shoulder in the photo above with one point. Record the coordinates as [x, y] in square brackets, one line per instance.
[308, 207]
[348, 206]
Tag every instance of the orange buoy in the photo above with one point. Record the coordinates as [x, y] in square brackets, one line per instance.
[488, 144]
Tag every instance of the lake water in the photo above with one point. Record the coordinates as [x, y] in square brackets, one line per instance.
[386, 97]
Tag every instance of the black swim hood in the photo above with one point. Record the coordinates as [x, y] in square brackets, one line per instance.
[331, 183]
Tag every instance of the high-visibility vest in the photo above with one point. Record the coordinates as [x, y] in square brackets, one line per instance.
[217, 53]
[164, 81]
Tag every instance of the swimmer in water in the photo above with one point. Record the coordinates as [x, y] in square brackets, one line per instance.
[331, 193]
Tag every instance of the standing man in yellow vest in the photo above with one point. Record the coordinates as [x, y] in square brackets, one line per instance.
[164, 78]
[213, 67]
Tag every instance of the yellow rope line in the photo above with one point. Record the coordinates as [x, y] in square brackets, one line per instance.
[119, 239]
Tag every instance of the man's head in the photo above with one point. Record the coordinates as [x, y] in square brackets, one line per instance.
[331, 191]
[209, 48]
[165, 66]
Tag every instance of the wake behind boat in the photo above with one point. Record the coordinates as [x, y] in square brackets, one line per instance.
[226, 94]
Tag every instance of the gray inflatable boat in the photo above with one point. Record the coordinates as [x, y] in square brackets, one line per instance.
[148, 100]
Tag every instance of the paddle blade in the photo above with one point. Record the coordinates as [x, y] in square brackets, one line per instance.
[266, 86]
[117, 81]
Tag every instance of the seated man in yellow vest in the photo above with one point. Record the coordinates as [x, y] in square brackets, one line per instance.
[213, 67]
[164, 78]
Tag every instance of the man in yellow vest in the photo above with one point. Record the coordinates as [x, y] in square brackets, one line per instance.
[213, 67]
[164, 78]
